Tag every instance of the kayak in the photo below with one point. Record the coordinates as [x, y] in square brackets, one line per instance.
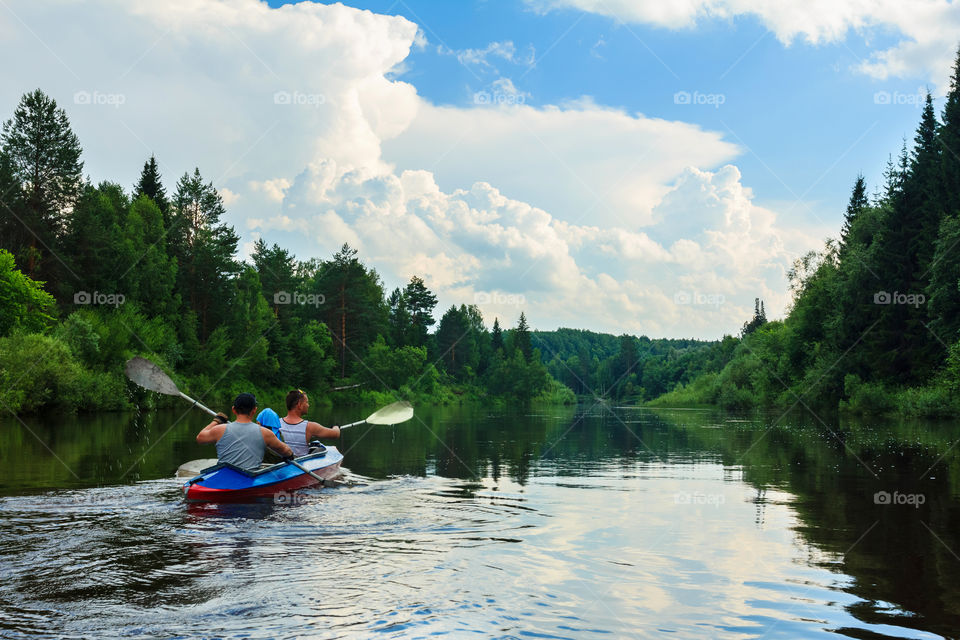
[225, 482]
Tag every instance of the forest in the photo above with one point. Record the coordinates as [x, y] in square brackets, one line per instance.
[91, 275]
[874, 323]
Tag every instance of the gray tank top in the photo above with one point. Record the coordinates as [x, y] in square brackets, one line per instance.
[295, 436]
[241, 445]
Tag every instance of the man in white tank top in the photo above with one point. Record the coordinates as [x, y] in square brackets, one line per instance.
[297, 431]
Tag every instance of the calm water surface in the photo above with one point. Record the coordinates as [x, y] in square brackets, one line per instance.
[570, 523]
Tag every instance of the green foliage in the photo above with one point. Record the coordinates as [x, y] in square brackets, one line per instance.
[515, 376]
[556, 393]
[389, 367]
[865, 398]
[40, 371]
[23, 302]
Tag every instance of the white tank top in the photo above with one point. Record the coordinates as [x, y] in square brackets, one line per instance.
[295, 435]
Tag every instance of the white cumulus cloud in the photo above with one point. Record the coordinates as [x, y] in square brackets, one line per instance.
[580, 214]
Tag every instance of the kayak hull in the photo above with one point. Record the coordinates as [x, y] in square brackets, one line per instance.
[227, 483]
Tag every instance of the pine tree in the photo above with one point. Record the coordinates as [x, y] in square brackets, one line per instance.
[44, 158]
[354, 309]
[420, 303]
[204, 249]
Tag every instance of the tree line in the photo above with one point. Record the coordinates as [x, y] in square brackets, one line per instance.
[91, 275]
[875, 320]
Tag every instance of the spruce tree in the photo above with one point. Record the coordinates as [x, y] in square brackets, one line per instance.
[949, 141]
[420, 303]
[521, 338]
[858, 203]
[496, 340]
[151, 186]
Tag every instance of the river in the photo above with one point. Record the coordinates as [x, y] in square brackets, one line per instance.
[587, 522]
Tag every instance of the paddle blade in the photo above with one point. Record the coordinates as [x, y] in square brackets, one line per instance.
[149, 376]
[392, 413]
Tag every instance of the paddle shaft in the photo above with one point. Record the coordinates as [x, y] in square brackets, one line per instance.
[197, 404]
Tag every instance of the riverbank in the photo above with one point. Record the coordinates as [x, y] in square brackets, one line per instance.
[934, 400]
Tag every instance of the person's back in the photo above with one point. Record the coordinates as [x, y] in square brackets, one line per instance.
[241, 445]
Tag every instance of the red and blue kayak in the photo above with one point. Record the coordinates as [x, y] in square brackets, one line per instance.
[225, 482]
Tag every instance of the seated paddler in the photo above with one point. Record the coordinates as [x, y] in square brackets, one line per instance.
[296, 430]
[242, 442]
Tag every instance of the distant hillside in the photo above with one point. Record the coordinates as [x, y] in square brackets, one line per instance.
[627, 368]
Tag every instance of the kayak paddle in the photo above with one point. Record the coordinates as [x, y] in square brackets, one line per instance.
[151, 377]
[391, 414]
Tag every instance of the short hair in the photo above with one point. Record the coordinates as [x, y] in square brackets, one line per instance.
[294, 397]
[245, 403]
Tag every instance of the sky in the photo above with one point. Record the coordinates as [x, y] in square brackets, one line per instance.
[615, 165]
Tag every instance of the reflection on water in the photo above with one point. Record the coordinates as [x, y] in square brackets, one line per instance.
[563, 524]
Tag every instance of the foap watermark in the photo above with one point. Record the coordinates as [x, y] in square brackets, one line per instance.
[885, 297]
[495, 297]
[696, 98]
[114, 100]
[289, 497]
[299, 98]
[286, 297]
[499, 98]
[898, 98]
[699, 499]
[896, 498]
[98, 298]
[697, 297]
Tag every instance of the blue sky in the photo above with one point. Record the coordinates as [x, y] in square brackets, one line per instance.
[616, 165]
[808, 123]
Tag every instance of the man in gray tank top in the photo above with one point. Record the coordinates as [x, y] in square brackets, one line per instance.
[296, 430]
[242, 442]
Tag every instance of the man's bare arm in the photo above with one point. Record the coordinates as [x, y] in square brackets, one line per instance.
[317, 430]
[211, 433]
